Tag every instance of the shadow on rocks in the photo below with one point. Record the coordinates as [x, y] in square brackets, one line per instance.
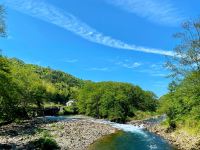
[26, 127]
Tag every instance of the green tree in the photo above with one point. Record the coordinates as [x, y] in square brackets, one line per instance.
[114, 100]
[9, 96]
[187, 53]
[183, 100]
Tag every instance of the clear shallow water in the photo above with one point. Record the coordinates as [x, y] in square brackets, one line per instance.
[64, 118]
[131, 141]
[128, 138]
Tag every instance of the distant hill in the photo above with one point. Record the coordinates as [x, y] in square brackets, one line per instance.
[48, 74]
[24, 87]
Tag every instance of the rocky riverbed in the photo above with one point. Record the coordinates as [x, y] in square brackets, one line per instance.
[79, 133]
[72, 135]
[179, 138]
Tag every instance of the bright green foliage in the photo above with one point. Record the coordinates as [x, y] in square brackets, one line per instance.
[70, 109]
[45, 144]
[142, 115]
[113, 100]
[57, 86]
[9, 91]
[182, 104]
[24, 87]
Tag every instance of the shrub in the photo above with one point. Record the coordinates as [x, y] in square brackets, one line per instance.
[45, 143]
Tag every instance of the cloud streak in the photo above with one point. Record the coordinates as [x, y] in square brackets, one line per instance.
[157, 11]
[70, 60]
[129, 65]
[98, 69]
[151, 69]
[67, 21]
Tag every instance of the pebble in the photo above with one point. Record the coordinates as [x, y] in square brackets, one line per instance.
[73, 135]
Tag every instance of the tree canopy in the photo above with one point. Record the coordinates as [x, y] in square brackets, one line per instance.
[25, 86]
[187, 53]
[114, 100]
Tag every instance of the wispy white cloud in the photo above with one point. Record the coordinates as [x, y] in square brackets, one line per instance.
[155, 70]
[148, 68]
[159, 74]
[60, 18]
[33, 62]
[129, 65]
[160, 84]
[70, 60]
[158, 11]
[154, 73]
[99, 69]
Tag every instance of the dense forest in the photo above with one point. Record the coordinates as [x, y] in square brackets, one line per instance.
[114, 100]
[25, 87]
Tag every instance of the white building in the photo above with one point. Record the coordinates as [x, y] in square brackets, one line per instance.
[69, 103]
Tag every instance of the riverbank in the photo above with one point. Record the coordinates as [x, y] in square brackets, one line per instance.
[79, 132]
[71, 134]
[179, 138]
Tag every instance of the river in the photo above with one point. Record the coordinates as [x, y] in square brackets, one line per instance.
[129, 137]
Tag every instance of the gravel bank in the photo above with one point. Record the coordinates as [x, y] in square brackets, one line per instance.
[70, 135]
[181, 139]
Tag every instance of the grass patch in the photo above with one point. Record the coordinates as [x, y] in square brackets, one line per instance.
[187, 125]
[45, 143]
[53, 125]
[141, 115]
[68, 110]
[47, 105]
[190, 126]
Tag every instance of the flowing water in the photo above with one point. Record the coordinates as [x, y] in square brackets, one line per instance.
[131, 141]
[129, 137]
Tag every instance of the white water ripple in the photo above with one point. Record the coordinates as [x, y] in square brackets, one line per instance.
[124, 127]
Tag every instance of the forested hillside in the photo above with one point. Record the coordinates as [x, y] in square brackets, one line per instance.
[25, 86]
[59, 85]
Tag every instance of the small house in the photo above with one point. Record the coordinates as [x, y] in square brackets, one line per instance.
[70, 102]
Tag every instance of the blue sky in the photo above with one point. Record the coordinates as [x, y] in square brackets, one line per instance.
[99, 40]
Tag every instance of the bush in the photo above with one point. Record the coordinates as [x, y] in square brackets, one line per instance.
[115, 101]
[139, 115]
[70, 110]
[45, 143]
